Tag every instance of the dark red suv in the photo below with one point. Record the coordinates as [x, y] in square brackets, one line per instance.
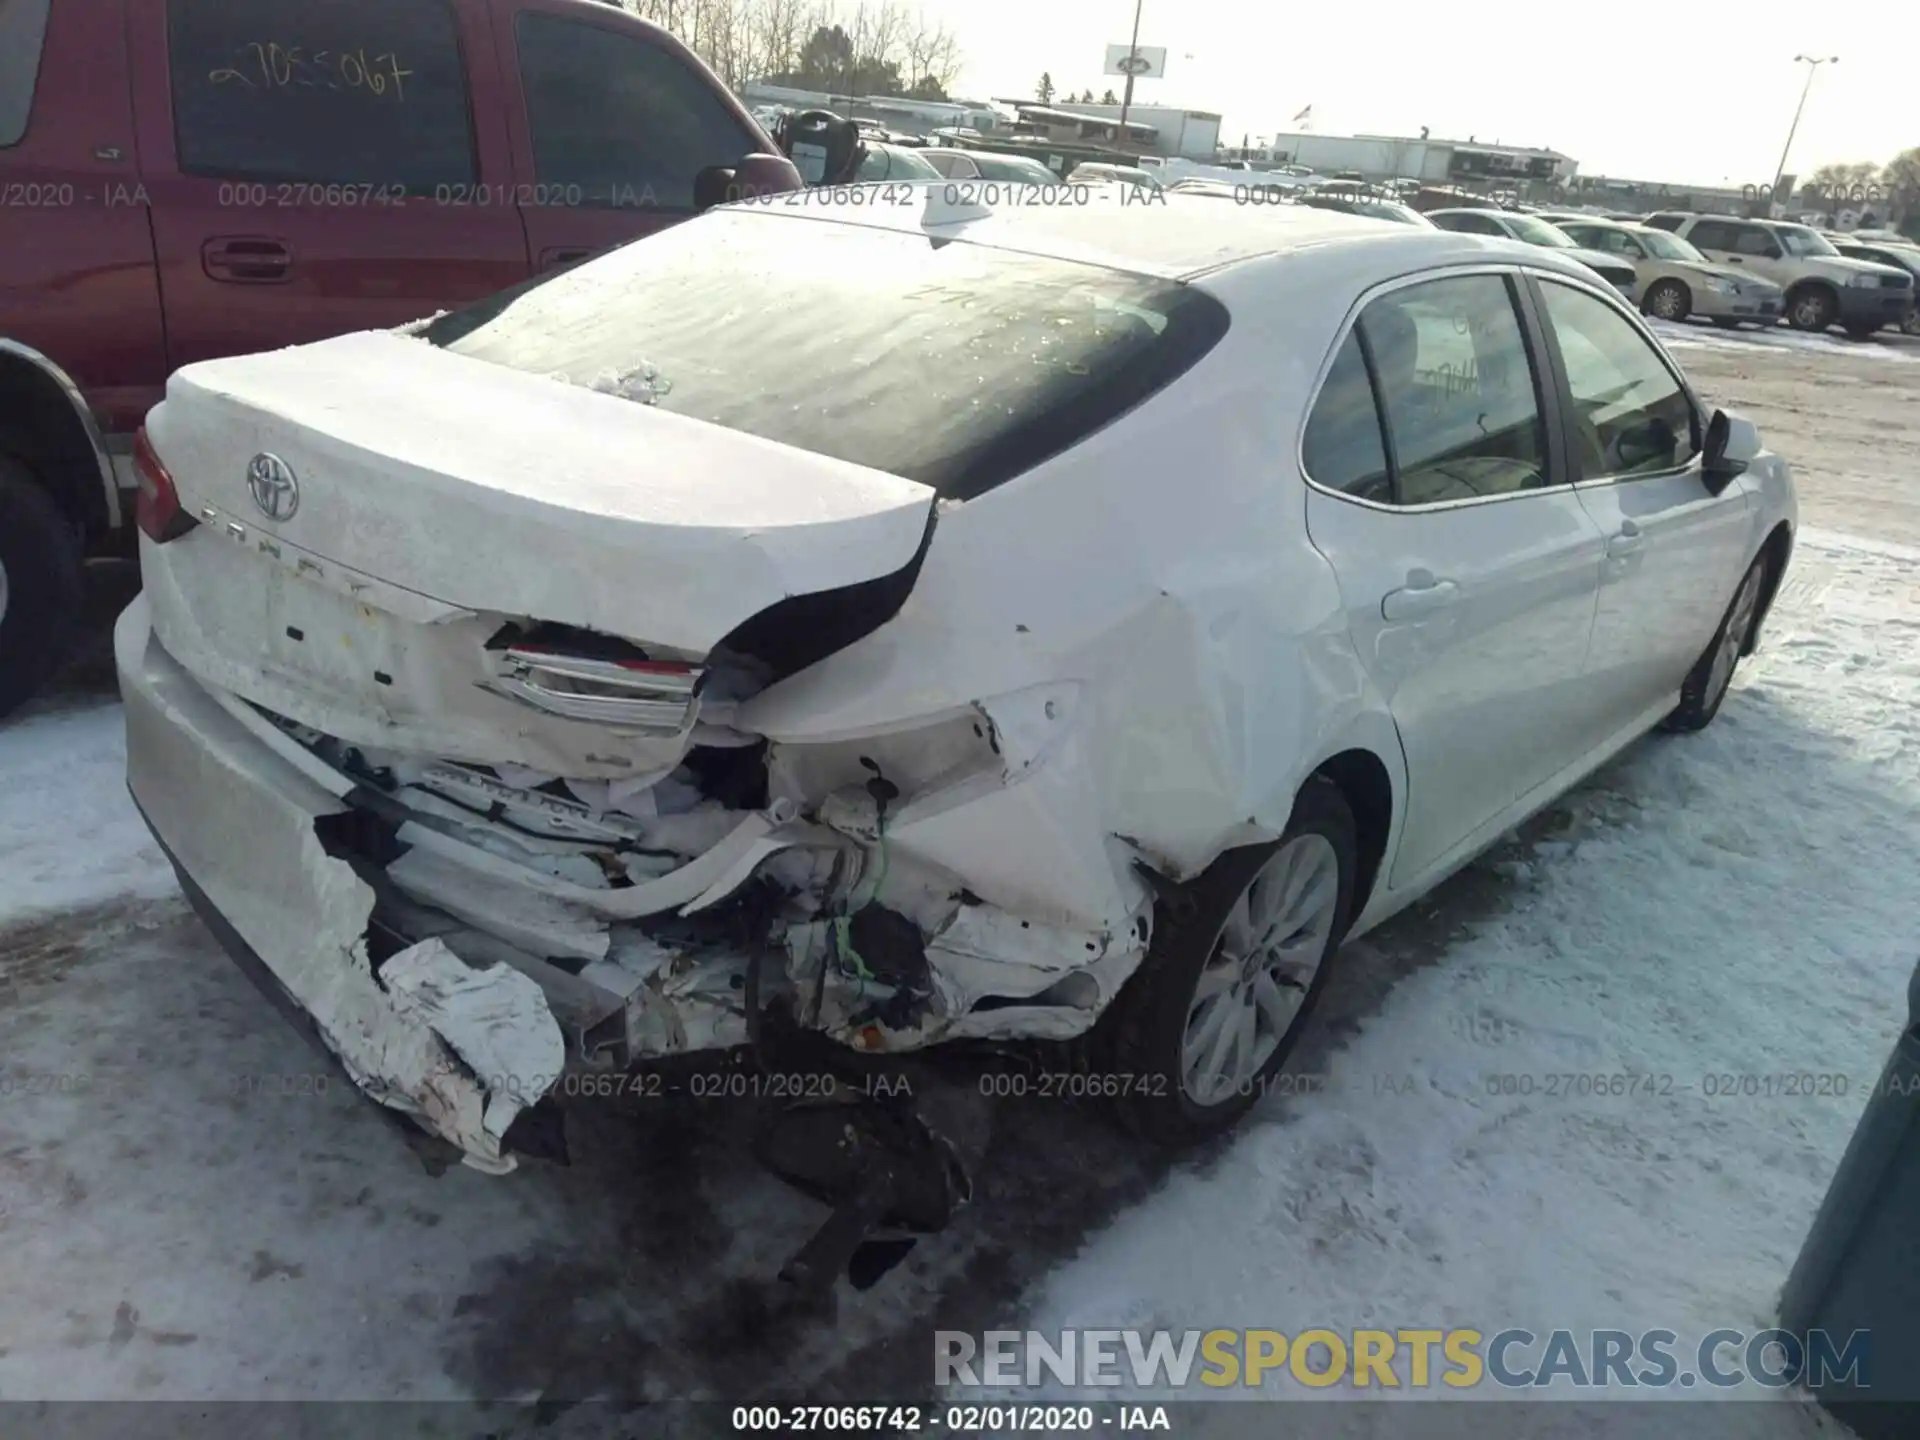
[186, 179]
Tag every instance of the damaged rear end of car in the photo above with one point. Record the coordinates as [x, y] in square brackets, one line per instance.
[459, 690]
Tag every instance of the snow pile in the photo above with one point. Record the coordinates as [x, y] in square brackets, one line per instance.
[1739, 903]
[69, 836]
[1705, 337]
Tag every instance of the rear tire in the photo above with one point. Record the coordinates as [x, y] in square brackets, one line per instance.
[1706, 684]
[1191, 1002]
[41, 586]
[1669, 300]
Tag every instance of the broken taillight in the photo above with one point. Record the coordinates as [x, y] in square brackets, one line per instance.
[158, 508]
[654, 695]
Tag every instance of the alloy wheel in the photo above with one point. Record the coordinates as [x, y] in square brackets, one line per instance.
[1263, 965]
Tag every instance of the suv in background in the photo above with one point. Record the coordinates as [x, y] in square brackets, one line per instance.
[187, 179]
[1900, 254]
[1823, 286]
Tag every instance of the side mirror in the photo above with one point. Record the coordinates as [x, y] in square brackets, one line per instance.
[1731, 445]
[754, 175]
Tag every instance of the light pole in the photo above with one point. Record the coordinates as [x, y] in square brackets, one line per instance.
[1813, 65]
[1133, 53]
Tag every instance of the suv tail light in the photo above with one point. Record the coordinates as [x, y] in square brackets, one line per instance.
[158, 509]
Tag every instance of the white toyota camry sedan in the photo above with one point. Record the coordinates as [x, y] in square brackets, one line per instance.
[900, 624]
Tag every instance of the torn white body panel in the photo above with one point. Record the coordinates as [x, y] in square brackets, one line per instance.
[242, 823]
[496, 1020]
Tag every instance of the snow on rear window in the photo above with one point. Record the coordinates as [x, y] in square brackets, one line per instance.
[940, 361]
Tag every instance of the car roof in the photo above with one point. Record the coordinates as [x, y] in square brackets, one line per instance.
[1178, 237]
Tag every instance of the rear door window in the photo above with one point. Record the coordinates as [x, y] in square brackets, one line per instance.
[1343, 448]
[618, 122]
[23, 29]
[370, 92]
[953, 364]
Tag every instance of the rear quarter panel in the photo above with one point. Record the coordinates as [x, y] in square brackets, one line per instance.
[1163, 566]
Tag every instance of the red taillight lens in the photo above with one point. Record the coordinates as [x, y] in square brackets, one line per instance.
[158, 508]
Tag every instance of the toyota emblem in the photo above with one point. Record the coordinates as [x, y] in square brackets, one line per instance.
[274, 490]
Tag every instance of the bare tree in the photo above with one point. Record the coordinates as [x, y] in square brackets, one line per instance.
[745, 40]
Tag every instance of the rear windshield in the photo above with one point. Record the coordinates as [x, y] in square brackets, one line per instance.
[940, 361]
[23, 28]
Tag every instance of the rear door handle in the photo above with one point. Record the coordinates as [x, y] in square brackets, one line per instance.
[246, 260]
[1625, 541]
[559, 259]
[1421, 595]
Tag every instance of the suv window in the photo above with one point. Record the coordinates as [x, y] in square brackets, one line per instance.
[1752, 240]
[1713, 235]
[618, 118]
[956, 365]
[23, 28]
[1469, 222]
[1343, 449]
[352, 91]
[1458, 389]
[1607, 239]
[1630, 414]
[1666, 220]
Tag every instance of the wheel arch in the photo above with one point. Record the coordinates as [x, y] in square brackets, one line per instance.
[1778, 548]
[46, 424]
[1812, 282]
[1366, 783]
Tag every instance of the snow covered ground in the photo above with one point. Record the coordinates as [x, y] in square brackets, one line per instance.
[1702, 336]
[185, 1212]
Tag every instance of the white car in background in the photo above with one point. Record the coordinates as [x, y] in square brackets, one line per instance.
[1094, 173]
[1529, 230]
[786, 624]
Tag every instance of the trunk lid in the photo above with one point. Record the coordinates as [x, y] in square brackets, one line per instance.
[495, 491]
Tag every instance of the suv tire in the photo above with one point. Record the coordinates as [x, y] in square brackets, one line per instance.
[41, 584]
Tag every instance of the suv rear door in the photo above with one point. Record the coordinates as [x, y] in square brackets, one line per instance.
[611, 119]
[78, 285]
[304, 164]
[1744, 244]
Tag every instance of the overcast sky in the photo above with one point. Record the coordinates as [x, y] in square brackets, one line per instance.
[1684, 91]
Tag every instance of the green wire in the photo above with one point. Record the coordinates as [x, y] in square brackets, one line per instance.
[842, 923]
